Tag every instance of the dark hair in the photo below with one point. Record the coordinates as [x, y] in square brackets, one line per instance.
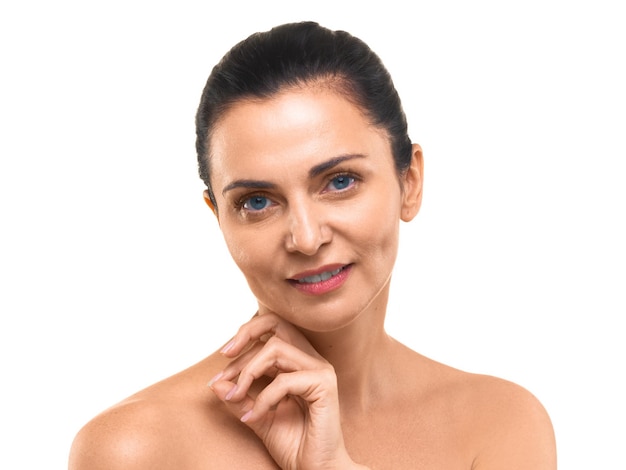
[298, 54]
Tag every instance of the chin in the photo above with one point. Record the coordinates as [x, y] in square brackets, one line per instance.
[318, 318]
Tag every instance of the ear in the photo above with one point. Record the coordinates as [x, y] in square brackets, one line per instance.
[412, 181]
[209, 203]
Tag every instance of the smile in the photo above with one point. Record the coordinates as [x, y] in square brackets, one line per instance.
[322, 282]
[320, 277]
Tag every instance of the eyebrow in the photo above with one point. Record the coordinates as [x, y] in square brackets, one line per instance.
[250, 184]
[313, 172]
[327, 165]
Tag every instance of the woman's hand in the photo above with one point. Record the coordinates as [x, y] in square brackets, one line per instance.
[297, 414]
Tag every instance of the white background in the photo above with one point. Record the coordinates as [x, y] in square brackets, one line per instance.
[113, 273]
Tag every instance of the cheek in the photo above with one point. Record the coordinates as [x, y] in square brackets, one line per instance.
[248, 251]
[373, 228]
[381, 243]
[238, 248]
[377, 215]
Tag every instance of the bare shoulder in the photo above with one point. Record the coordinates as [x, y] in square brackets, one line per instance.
[128, 435]
[475, 421]
[174, 424]
[512, 428]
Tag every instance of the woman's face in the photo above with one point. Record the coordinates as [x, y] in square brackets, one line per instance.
[309, 203]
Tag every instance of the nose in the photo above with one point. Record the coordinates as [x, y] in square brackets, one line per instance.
[308, 231]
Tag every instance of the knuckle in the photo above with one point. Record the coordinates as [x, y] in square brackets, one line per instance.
[273, 344]
[328, 373]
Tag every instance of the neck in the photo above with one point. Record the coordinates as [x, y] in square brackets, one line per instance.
[360, 354]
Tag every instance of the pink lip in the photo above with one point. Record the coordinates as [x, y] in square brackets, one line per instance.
[322, 287]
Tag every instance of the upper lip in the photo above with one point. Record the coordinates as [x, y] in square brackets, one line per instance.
[320, 270]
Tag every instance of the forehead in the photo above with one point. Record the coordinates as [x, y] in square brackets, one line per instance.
[294, 126]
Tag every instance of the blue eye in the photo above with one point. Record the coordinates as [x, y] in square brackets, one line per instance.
[256, 203]
[341, 182]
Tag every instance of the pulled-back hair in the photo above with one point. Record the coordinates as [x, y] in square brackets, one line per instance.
[297, 54]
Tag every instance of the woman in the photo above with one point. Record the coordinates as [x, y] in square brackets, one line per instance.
[303, 146]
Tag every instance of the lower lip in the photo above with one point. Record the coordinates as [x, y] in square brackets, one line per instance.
[323, 287]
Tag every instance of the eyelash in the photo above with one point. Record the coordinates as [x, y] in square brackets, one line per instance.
[241, 202]
[344, 174]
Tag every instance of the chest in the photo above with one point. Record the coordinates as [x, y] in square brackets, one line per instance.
[409, 441]
[394, 444]
[410, 437]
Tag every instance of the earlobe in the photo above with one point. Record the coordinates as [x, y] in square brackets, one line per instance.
[209, 203]
[412, 185]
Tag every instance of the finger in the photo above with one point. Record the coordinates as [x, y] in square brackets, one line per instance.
[241, 408]
[263, 325]
[318, 388]
[238, 408]
[234, 367]
[275, 357]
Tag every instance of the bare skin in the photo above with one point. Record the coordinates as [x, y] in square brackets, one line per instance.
[457, 421]
[313, 381]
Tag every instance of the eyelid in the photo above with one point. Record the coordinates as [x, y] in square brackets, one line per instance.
[344, 173]
[240, 202]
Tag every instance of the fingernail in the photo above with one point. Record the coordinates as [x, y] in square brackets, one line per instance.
[246, 416]
[215, 379]
[230, 394]
[228, 347]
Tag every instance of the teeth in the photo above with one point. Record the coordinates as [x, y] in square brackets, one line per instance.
[319, 277]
